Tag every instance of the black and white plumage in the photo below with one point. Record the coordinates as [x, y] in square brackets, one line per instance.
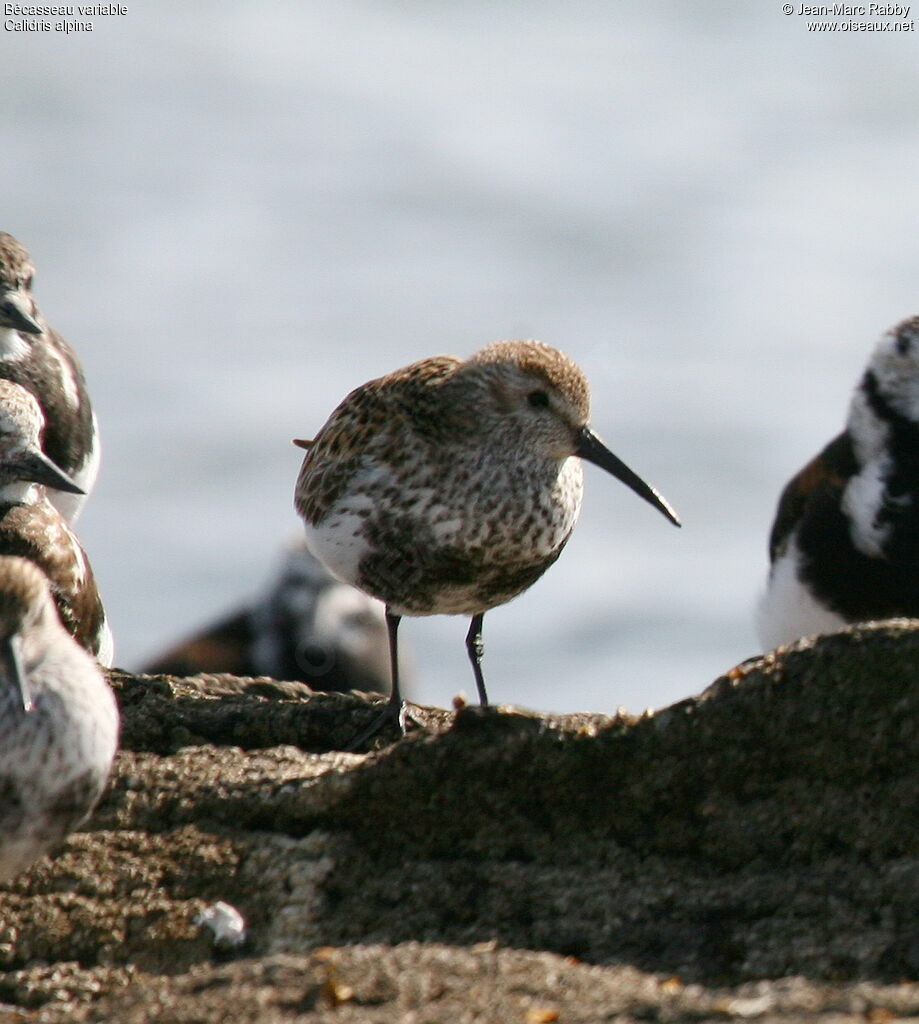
[31, 527]
[58, 722]
[305, 625]
[36, 357]
[845, 543]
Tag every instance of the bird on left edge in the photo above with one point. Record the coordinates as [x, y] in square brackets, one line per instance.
[58, 722]
[35, 356]
[30, 526]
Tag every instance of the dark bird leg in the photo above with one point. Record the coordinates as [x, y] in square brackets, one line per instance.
[395, 710]
[475, 650]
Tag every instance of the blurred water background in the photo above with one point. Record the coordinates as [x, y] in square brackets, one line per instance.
[241, 210]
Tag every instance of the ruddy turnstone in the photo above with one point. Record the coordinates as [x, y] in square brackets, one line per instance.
[35, 356]
[32, 527]
[307, 625]
[448, 487]
[844, 546]
[58, 722]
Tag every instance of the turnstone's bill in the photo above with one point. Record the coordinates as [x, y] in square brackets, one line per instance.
[844, 546]
[307, 626]
[35, 356]
[58, 722]
[448, 487]
[32, 527]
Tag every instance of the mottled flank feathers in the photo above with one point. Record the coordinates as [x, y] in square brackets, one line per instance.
[357, 431]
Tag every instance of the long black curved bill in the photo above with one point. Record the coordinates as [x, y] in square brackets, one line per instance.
[591, 448]
[12, 676]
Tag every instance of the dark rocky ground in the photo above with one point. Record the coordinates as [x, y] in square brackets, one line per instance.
[750, 854]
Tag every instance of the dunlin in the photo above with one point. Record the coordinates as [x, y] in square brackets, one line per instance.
[32, 527]
[450, 486]
[845, 543]
[306, 625]
[35, 356]
[58, 722]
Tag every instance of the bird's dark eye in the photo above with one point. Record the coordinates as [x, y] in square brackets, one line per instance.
[538, 399]
[28, 282]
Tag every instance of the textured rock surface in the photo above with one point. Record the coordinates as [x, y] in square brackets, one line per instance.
[753, 853]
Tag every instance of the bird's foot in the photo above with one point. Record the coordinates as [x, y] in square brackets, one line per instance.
[393, 713]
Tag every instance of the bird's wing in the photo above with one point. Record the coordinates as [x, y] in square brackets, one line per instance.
[830, 470]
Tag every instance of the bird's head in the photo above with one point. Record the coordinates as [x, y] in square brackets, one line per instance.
[21, 455]
[533, 399]
[894, 368]
[17, 307]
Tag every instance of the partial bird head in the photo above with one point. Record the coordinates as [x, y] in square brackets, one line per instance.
[529, 395]
[25, 604]
[21, 456]
[23, 594]
[893, 369]
[17, 307]
[530, 391]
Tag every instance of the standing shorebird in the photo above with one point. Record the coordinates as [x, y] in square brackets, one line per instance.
[35, 356]
[58, 722]
[449, 487]
[844, 546]
[32, 527]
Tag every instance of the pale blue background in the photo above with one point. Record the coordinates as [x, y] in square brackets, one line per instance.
[242, 210]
